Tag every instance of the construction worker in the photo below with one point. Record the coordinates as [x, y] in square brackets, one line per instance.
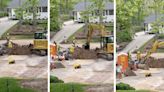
[10, 44]
[139, 56]
[119, 71]
[129, 56]
[72, 49]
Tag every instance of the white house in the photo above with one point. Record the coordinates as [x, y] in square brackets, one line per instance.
[149, 20]
[41, 13]
[108, 12]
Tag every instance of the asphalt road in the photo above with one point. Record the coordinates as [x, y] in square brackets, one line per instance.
[6, 24]
[140, 39]
[68, 29]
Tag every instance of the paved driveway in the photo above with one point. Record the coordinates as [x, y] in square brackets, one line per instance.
[6, 24]
[68, 29]
[140, 39]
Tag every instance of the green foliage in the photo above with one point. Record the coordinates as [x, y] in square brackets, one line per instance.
[59, 12]
[3, 14]
[55, 24]
[161, 36]
[123, 36]
[13, 86]
[54, 79]
[129, 13]
[123, 86]
[3, 4]
[66, 87]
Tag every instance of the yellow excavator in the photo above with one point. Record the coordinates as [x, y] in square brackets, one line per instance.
[106, 41]
[40, 43]
[155, 46]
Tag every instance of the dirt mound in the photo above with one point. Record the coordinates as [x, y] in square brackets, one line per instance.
[155, 63]
[19, 49]
[81, 53]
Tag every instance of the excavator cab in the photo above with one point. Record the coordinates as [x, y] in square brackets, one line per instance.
[106, 44]
[40, 35]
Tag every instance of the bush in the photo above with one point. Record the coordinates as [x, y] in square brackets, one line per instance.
[123, 36]
[3, 14]
[123, 86]
[54, 79]
[161, 36]
[66, 17]
[138, 28]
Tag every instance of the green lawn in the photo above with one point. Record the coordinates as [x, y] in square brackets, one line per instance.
[66, 87]
[12, 85]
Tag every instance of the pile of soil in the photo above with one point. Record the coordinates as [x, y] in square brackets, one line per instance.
[19, 49]
[81, 53]
[155, 63]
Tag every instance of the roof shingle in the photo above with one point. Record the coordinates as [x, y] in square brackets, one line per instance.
[17, 3]
[81, 6]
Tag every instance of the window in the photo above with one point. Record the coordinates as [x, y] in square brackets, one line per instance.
[111, 12]
[107, 12]
[44, 9]
[39, 9]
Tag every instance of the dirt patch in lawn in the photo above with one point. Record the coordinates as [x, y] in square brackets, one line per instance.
[37, 84]
[99, 88]
[24, 29]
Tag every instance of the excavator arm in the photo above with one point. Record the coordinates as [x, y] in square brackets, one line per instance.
[154, 48]
[91, 28]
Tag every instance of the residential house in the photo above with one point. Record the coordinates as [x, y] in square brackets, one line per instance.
[42, 12]
[149, 20]
[108, 12]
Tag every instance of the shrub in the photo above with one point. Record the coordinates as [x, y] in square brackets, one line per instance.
[161, 36]
[123, 36]
[54, 79]
[123, 86]
[3, 14]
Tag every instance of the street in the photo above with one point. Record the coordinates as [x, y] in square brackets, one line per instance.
[68, 29]
[6, 24]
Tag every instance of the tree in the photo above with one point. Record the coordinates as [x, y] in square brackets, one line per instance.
[129, 13]
[32, 8]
